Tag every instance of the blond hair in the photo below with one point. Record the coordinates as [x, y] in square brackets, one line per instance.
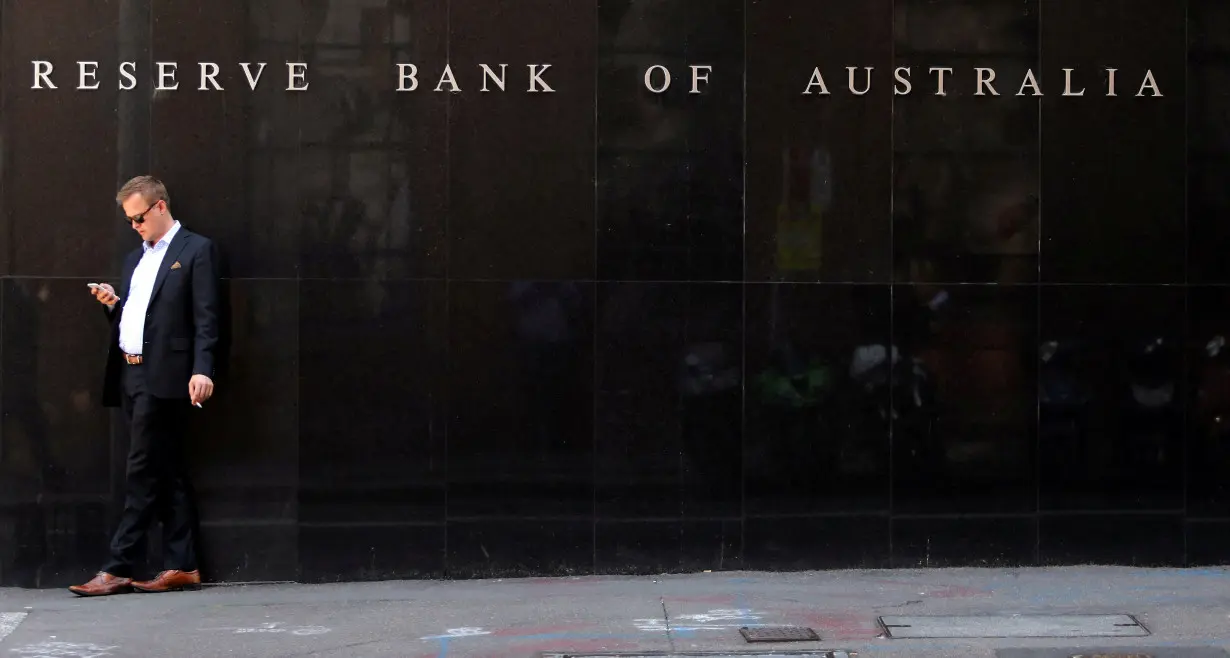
[151, 189]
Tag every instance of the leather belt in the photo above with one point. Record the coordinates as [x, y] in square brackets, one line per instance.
[133, 359]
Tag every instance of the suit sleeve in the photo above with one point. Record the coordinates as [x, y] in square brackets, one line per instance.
[205, 308]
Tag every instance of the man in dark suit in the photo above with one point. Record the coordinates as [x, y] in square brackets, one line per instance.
[164, 333]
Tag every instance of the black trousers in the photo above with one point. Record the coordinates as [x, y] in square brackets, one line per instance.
[157, 481]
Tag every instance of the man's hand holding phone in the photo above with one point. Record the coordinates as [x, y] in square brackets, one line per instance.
[104, 293]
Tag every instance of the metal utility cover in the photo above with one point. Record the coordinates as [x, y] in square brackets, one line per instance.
[779, 634]
[1114, 652]
[1014, 626]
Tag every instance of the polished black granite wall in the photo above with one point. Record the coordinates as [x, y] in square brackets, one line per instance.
[602, 330]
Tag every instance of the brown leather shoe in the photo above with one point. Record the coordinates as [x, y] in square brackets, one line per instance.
[170, 581]
[103, 584]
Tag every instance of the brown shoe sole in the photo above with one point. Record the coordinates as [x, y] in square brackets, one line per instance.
[196, 587]
[122, 590]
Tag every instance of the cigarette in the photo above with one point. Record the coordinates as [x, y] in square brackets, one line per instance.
[197, 405]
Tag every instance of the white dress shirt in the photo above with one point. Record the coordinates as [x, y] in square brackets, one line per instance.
[132, 317]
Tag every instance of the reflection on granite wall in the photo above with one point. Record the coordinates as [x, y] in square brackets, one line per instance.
[490, 333]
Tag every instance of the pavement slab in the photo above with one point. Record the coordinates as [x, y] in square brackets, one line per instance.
[1115, 652]
[1184, 610]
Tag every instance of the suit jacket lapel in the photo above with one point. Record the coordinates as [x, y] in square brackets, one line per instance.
[172, 257]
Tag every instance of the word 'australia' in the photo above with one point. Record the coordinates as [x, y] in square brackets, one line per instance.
[87, 75]
[859, 82]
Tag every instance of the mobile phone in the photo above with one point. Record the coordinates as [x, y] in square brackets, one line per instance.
[95, 286]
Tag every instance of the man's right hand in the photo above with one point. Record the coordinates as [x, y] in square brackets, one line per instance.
[105, 294]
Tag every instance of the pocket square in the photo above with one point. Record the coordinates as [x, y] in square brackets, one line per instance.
[176, 266]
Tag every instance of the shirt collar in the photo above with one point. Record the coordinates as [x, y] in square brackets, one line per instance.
[164, 241]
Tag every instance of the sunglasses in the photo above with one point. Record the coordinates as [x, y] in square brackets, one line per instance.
[140, 218]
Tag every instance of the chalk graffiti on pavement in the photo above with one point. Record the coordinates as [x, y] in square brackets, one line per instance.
[705, 621]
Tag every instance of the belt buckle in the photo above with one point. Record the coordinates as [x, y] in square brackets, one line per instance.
[133, 359]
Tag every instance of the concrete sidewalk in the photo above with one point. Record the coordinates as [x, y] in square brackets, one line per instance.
[1181, 610]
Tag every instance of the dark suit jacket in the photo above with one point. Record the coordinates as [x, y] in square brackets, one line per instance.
[181, 324]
